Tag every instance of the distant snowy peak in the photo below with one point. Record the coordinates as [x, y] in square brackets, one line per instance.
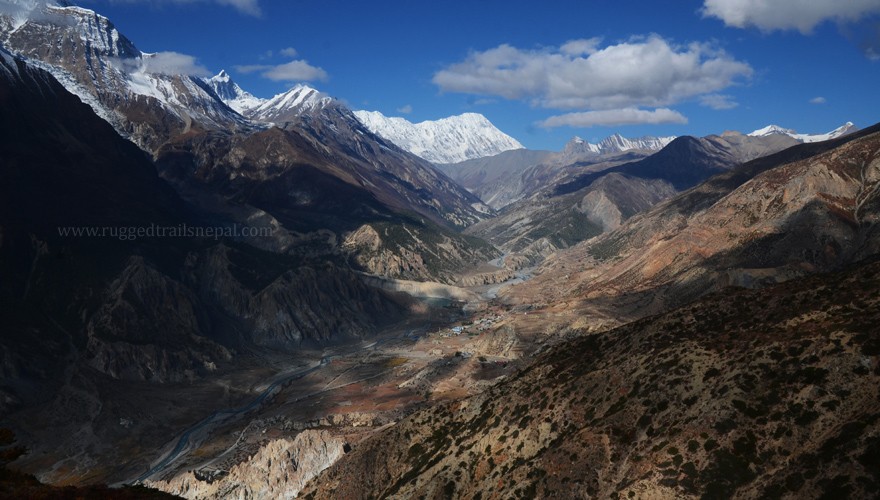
[289, 105]
[285, 106]
[448, 140]
[230, 93]
[846, 128]
[614, 144]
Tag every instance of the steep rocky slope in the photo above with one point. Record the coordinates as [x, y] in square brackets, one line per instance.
[744, 394]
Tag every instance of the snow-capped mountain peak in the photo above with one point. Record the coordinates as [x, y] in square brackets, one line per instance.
[230, 93]
[85, 52]
[616, 143]
[288, 105]
[846, 128]
[447, 140]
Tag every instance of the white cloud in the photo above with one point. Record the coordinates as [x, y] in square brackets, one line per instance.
[718, 101]
[646, 71]
[252, 68]
[818, 100]
[802, 15]
[163, 63]
[295, 71]
[580, 47]
[173, 63]
[406, 109]
[614, 117]
[287, 52]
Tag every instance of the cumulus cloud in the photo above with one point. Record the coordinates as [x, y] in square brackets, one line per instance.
[173, 63]
[162, 63]
[802, 15]
[406, 109]
[818, 100]
[287, 52]
[580, 47]
[615, 117]
[718, 101]
[252, 68]
[642, 72]
[297, 70]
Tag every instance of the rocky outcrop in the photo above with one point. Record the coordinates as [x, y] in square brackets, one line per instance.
[490, 278]
[411, 252]
[279, 470]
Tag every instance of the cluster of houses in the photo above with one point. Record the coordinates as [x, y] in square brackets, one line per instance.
[479, 325]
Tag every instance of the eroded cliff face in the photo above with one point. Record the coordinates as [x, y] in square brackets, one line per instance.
[278, 470]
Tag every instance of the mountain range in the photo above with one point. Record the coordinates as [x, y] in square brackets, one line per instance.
[846, 128]
[388, 309]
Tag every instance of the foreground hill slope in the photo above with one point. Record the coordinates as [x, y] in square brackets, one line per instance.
[745, 394]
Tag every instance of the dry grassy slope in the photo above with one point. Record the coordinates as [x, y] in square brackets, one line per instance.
[770, 393]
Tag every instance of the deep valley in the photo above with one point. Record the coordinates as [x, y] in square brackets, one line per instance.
[209, 294]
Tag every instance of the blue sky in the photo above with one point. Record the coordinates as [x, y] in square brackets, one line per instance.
[543, 72]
